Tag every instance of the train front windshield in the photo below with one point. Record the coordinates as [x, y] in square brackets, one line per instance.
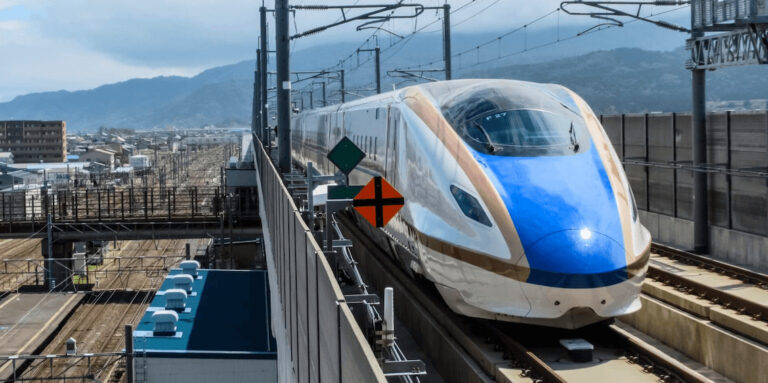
[516, 121]
[517, 132]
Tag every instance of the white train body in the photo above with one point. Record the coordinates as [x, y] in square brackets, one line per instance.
[527, 218]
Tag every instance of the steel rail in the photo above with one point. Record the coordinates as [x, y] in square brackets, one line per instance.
[720, 267]
[722, 298]
[657, 362]
[515, 349]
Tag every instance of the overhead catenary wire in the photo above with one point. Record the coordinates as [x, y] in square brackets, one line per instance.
[341, 65]
[403, 41]
[558, 40]
[526, 48]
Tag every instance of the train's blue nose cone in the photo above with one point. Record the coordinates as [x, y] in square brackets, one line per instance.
[578, 258]
[566, 217]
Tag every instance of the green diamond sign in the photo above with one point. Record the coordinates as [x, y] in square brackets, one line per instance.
[346, 155]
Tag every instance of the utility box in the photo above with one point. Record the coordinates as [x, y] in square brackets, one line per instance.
[71, 346]
[79, 264]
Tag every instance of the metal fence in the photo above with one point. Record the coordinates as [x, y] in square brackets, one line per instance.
[76, 368]
[132, 203]
[325, 343]
[656, 152]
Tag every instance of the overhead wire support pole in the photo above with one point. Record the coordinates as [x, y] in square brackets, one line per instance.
[49, 258]
[325, 100]
[256, 110]
[447, 41]
[377, 53]
[282, 46]
[699, 145]
[263, 76]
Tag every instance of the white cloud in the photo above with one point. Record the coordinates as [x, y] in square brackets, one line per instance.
[33, 62]
[76, 44]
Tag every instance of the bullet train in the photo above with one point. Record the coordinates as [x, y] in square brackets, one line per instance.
[516, 205]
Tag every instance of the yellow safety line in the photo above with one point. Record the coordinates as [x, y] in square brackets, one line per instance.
[9, 300]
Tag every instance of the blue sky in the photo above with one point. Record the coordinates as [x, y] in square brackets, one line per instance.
[80, 44]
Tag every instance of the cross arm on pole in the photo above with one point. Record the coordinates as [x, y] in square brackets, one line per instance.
[608, 11]
[413, 74]
[376, 14]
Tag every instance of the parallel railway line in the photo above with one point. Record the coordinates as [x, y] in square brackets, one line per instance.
[97, 322]
[720, 297]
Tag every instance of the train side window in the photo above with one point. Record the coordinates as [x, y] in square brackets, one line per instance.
[375, 141]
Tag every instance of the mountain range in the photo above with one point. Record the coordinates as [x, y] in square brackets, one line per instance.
[620, 80]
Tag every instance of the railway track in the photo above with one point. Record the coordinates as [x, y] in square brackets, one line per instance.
[712, 312]
[97, 324]
[17, 249]
[725, 298]
[505, 352]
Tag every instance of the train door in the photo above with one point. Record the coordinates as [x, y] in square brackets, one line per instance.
[390, 163]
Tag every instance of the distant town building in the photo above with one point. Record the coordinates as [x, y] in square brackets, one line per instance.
[6, 158]
[140, 162]
[102, 156]
[18, 177]
[34, 141]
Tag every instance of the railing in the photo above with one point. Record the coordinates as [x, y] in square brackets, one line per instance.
[316, 332]
[128, 203]
[79, 368]
[86, 269]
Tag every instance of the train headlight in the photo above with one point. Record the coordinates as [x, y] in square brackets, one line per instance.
[470, 206]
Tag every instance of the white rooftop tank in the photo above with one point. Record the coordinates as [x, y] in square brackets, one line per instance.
[190, 268]
[175, 299]
[165, 322]
[182, 281]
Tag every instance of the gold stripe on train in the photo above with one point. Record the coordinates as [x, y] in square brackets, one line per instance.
[453, 144]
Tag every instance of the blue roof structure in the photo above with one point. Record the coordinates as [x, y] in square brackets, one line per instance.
[227, 315]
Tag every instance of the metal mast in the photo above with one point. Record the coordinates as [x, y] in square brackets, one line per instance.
[282, 47]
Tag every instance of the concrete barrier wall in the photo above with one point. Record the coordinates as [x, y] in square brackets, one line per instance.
[318, 338]
[662, 181]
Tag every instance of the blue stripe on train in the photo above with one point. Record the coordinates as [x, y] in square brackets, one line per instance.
[564, 211]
